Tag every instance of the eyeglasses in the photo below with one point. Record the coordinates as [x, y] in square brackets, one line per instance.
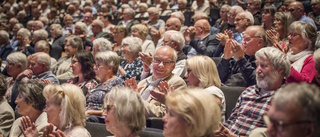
[280, 125]
[292, 34]
[237, 20]
[107, 108]
[231, 14]
[292, 10]
[158, 61]
[247, 39]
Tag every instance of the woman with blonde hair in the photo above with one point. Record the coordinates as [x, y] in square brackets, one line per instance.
[202, 72]
[141, 31]
[65, 110]
[189, 114]
[124, 112]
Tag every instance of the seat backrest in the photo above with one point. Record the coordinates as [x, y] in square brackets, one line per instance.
[151, 132]
[97, 129]
[154, 122]
[231, 94]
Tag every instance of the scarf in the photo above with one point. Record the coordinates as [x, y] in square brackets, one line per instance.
[297, 60]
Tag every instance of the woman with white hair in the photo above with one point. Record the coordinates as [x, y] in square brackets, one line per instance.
[141, 31]
[16, 63]
[190, 115]
[80, 29]
[65, 110]
[107, 65]
[100, 45]
[302, 37]
[57, 41]
[132, 68]
[142, 13]
[23, 36]
[124, 112]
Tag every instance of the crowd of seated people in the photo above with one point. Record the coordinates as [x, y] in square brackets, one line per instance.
[121, 62]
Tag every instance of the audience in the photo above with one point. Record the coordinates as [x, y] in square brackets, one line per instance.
[106, 68]
[30, 104]
[80, 34]
[124, 112]
[302, 37]
[82, 65]
[132, 67]
[190, 115]
[7, 115]
[272, 67]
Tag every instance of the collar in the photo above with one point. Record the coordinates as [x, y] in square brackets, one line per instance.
[204, 37]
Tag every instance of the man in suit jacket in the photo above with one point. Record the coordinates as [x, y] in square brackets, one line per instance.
[5, 48]
[6, 112]
[128, 19]
[163, 64]
[198, 37]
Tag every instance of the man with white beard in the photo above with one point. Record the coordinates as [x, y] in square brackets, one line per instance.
[272, 68]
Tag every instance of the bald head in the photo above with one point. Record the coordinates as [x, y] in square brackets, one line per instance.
[173, 24]
[297, 10]
[204, 24]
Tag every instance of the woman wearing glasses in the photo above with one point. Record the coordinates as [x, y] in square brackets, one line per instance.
[302, 37]
[107, 65]
[124, 112]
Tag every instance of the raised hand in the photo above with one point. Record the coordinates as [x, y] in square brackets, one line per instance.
[164, 89]
[28, 128]
[228, 50]
[146, 60]
[189, 34]
[132, 83]
[272, 36]
[237, 50]
[48, 131]
[58, 133]
[26, 73]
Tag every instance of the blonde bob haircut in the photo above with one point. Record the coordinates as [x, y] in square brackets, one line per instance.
[198, 108]
[129, 108]
[71, 102]
[204, 68]
[142, 29]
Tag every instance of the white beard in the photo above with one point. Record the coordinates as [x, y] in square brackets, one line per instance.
[268, 80]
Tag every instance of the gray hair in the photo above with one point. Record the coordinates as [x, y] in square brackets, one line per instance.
[145, 5]
[314, 1]
[277, 58]
[237, 9]
[134, 44]
[19, 25]
[22, 13]
[129, 107]
[43, 44]
[75, 42]
[131, 12]
[39, 23]
[177, 37]
[82, 26]
[226, 6]
[109, 58]
[179, 15]
[248, 15]
[286, 18]
[31, 90]
[18, 58]
[307, 31]
[104, 44]
[5, 35]
[316, 57]
[57, 28]
[184, 1]
[44, 20]
[24, 32]
[153, 10]
[200, 14]
[99, 22]
[304, 96]
[41, 34]
[164, 1]
[258, 2]
[43, 58]
[175, 55]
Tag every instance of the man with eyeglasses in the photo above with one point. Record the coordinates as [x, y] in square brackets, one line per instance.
[163, 64]
[297, 10]
[294, 113]
[238, 63]
[255, 101]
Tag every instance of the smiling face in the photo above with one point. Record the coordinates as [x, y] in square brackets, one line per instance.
[102, 71]
[70, 51]
[76, 66]
[163, 63]
[241, 22]
[278, 24]
[250, 42]
[174, 125]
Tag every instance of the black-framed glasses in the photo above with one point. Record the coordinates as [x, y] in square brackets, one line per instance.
[158, 61]
[280, 125]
